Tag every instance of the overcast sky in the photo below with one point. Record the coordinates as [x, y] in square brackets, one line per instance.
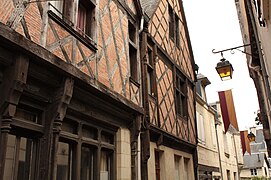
[213, 24]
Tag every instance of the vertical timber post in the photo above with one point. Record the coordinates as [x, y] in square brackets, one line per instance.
[145, 137]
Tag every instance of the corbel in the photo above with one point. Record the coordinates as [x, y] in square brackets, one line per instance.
[64, 95]
[58, 111]
[160, 140]
[12, 88]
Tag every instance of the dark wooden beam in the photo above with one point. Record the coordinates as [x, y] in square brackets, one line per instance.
[13, 40]
[145, 136]
[53, 119]
[11, 90]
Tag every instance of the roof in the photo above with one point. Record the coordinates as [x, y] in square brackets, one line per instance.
[254, 160]
[149, 7]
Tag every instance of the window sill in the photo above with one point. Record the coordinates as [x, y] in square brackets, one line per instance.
[85, 40]
[132, 80]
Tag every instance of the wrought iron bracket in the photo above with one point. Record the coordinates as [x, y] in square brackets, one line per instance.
[232, 50]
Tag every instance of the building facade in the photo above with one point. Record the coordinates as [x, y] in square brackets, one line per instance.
[231, 159]
[208, 150]
[96, 89]
[254, 18]
[169, 96]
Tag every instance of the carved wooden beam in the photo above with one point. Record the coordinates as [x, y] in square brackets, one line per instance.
[13, 84]
[54, 117]
[65, 95]
[11, 90]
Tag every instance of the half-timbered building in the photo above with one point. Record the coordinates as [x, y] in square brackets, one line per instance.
[96, 89]
[168, 71]
[70, 89]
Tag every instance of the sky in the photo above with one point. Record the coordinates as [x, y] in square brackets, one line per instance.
[213, 24]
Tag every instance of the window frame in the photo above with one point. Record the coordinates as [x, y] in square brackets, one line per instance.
[174, 26]
[150, 71]
[171, 22]
[157, 164]
[133, 51]
[181, 91]
[89, 27]
[97, 144]
[33, 161]
[64, 19]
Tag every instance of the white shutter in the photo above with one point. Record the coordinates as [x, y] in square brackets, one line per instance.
[213, 134]
[202, 128]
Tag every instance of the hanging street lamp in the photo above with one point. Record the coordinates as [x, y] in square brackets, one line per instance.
[251, 137]
[224, 67]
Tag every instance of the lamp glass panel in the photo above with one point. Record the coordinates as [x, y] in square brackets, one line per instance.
[225, 71]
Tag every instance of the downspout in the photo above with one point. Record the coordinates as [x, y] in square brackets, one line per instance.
[236, 157]
[264, 76]
[218, 149]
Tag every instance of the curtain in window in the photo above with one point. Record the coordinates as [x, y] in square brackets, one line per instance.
[81, 19]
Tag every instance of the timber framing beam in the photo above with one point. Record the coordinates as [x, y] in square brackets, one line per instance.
[11, 90]
[14, 40]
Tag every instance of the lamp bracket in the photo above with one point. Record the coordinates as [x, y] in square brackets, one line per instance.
[232, 50]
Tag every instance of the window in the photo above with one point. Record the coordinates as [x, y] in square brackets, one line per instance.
[20, 160]
[235, 175]
[228, 175]
[85, 18]
[177, 31]
[106, 164]
[133, 52]
[62, 9]
[29, 114]
[150, 71]
[87, 163]
[92, 138]
[157, 165]
[174, 26]
[177, 160]
[253, 172]
[226, 145]
[213, 134]
[187, 170]
[200, 129]
[85, 15]
[65, 159]
[181, 96]
[57, 7]
[171, 22]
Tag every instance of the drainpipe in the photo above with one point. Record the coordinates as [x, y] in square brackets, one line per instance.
[218, 149]
[234, 144]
